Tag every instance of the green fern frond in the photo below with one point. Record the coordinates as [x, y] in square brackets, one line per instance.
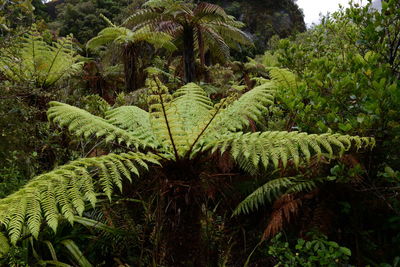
[283, 78]
[193, 106]
[134, 120]
[273, 189]
[232, 33]
[142, 17]
[64, 191]
[165, 120]
[121, 35]
[207, 10]
[261, 195]
[82, 123]
[250, 106]
[216, 44]
[280, 146]
[106, 36]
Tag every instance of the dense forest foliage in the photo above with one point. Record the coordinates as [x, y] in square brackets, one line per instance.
[189, 133]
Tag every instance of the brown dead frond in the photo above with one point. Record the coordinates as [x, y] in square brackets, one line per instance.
[285, 209]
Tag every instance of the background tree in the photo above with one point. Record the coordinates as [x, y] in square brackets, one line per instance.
[266, 18]
[33, 61]
[131, 41]
[203, 25]
[82, 17]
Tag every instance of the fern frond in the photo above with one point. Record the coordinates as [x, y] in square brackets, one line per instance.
[251, 105]
[122, 35]
[232, 33]
[82, 123]
[106, 36]
[283, 78]
[193, 106]
[64, 191]
[280, 146]
[216, 44]
[142, 16]
[164, 119]
[284, 210]
[206, 10]
[272, 190]
[134, 120]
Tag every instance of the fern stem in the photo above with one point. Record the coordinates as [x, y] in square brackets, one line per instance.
[166, 120]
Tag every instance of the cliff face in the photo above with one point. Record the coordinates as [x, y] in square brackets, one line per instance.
[265, 18]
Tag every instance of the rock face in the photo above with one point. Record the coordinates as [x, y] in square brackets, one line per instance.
[265, 18]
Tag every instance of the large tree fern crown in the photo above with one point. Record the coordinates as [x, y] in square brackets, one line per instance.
[178, 127]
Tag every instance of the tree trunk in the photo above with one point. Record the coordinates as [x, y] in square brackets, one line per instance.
[201, 48]
[181, 223]
[188, 55]
[130, 67]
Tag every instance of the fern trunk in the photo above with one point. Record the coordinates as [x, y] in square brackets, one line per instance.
[183, 246]
[188, 55]
[130, 67]
[201, 48]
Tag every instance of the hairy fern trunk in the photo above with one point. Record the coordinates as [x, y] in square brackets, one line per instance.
[188, 55]
[182, 232]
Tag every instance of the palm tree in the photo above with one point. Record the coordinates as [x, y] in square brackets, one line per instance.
[173, 142]
[203, 26]
[130, 41]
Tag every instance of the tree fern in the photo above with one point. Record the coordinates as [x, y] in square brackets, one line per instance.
[178, 129]
[32, 60]
[198, 27]
[131, 40]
